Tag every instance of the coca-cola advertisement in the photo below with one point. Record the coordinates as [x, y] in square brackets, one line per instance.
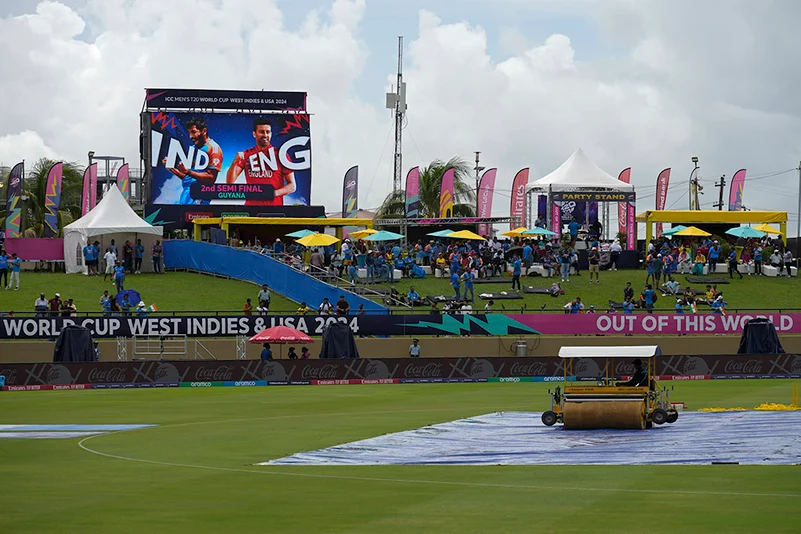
[191, 373]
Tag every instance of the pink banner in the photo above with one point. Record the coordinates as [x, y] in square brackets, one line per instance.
[622, 207]
[89, 197]
[413, 193]
[556, 219]
[652, 324]
[446, 195]
[631, 218]
[486, 189]
[518, 207]
[53, 200]
[662, 183]
[36, 249]
[124, 182]
[736, 192]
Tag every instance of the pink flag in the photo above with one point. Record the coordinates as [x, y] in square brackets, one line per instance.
[413, 193]
[622, 207]
[662, 183]
[446, 195]
[736, 191]
[486, 189]
[89, 198]
[124, 182]
[518, 207]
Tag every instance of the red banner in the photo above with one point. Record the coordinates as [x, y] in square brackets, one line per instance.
[622, 207]
[486, 189]
[518, 208]
[89, 197]
[662, 184]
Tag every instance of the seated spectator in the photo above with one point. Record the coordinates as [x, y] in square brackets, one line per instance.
[342, 306]
[440, 266]
[40, 306]
[671, 287]
[248, 308]
[325, 308]
[698, 265]
[304, 309]
[413, 297]
[304, 353]
[291, 354]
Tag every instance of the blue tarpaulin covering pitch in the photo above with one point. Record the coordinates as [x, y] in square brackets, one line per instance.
[520, 438]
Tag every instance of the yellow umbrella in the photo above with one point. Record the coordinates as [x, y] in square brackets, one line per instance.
[516, 232]
[692, 231]
[317, 240]
[361, 234]
[768, 229]
[465, 234]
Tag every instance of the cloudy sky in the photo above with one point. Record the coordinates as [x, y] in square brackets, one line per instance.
[640, 84]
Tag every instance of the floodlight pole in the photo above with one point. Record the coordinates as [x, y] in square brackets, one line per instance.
[693, 180]
[721, 185]
[478, 169]
[400, 111]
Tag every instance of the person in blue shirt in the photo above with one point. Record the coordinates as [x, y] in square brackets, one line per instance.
[576, 306]
[573, 228]
[757, 260]
[628, 306]
[714, 256]
[467, 278]
[733, 264]
[679, 306]
[3, 268]
[527, 252]
[648, 297]
[353, 274]
[141, 311]
[119, 277]
[139, 253]
[266, 353]
[369, 264]
[413, 297]
[456, 283]
[516, 269]
[89, 258]
[565, 257]
[125, 305]
[718, 305]
[278, 247]
[16, 267]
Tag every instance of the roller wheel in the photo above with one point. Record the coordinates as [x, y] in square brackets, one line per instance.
[659, 416]
[673, 417]
[548, 418]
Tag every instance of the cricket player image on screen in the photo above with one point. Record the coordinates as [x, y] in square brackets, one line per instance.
[262, 166]
[199, 134]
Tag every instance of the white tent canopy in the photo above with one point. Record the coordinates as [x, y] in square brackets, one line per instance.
[576, 174]
[112, 218]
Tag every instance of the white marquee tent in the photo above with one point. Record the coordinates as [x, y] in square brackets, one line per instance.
[112, 218]
[576, 174]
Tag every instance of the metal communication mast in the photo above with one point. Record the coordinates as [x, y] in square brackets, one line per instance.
[397, 102]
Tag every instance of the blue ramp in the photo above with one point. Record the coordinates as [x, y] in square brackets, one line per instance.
[247, 265]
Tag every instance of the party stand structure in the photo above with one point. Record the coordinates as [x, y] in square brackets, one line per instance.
[636, 404]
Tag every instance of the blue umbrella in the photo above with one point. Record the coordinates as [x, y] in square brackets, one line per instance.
[745, 232]
[441, 233]
[300, 233]
[675, 229]
[537, 231]
[133, 296]
[384, 235]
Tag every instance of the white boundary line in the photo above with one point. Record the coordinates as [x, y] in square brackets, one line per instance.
[82, 445]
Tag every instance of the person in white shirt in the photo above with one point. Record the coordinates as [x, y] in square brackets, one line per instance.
[614, 253]
[467, 308]
[264, 300]
[110, 257]
[40, 306]
[414, 348]
[488, 306]
[325, 307]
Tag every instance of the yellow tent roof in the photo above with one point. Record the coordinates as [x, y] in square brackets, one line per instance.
[465, 234]
[516, 232]
[711, 216]
[692, 231]
[317, 240]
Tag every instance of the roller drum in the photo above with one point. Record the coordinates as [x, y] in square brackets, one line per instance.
[595, 415]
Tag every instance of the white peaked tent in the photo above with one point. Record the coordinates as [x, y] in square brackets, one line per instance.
[576, 174]
[112, 218]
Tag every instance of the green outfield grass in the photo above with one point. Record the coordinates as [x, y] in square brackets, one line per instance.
[194, 473]
[170, 291]
[750, 292]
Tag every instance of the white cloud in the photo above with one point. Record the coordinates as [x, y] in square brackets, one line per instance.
[720, 84]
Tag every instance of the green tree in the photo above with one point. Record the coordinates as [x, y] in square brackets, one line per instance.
[464, 203]
[35, 189]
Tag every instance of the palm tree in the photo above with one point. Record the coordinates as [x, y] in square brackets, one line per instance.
[35, 189]
[464, 204]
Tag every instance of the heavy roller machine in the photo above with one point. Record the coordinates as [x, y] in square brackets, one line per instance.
[603, 403]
